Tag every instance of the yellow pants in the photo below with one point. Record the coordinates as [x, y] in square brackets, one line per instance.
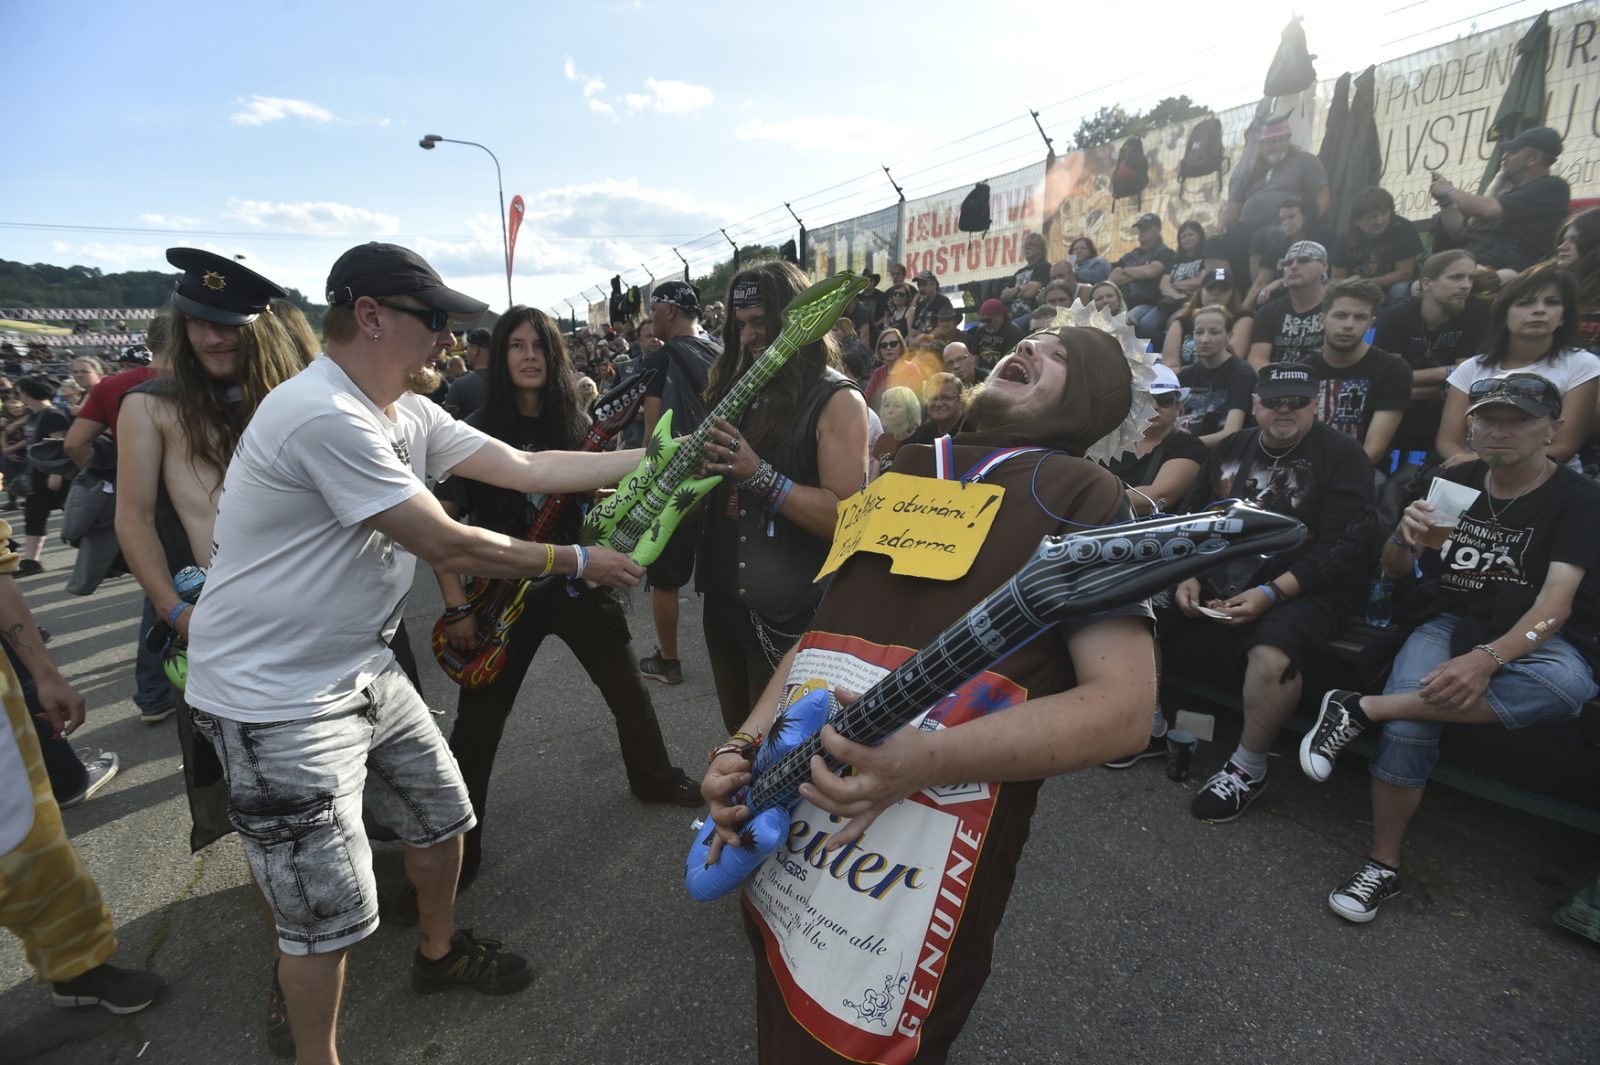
[47, 898]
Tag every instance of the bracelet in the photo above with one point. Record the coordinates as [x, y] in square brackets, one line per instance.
[1394, 538]
[1491, 652]
[582, 554]
[549, 560]
[176, 612]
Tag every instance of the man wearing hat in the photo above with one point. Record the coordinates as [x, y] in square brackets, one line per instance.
[470, 391]
[1273, 612]
[291, 677]
[1138, 274]
[1516, 229]
[1280, 171]
[1509, 631]
[681, 365]
[1288, 328]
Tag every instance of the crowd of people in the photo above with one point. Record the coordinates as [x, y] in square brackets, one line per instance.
[1313, 374]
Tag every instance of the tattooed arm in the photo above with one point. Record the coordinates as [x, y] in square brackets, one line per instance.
[61, 704]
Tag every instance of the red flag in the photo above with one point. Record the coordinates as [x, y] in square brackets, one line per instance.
[516, 224]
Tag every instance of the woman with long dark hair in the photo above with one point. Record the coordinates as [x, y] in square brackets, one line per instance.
[786, 462]
[533, 404]
[1533, 326]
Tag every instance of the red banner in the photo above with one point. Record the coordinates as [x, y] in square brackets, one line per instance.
[516, 224]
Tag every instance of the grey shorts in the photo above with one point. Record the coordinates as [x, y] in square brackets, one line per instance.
[296, 791]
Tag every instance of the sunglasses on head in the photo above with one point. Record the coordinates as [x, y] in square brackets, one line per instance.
[1165, 399]
[1287, 403]
[1529, 387]
[434, 318]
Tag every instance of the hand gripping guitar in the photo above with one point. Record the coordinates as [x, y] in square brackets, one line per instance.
[497, 603]
[1069, 575]
[650, 502]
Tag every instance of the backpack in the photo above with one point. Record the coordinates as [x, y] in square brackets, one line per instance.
[975, 210]
[1203, 154]
[1131, 175]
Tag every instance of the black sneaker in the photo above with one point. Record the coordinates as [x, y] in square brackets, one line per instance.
[1359, 898]
[1156, 748]
[679, 792]
[1226, 795]
[118, 990]
[280, 1037]
[1334, 729]
[472, 962]
[100, 767]
[665, 670]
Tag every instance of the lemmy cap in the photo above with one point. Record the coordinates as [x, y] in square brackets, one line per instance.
[220, 290]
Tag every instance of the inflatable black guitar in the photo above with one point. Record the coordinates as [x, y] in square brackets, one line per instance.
[1068, 575]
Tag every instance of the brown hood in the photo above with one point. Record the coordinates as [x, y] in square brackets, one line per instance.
[1099, 393]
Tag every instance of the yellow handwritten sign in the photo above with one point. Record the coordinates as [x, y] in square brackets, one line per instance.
[927, 527]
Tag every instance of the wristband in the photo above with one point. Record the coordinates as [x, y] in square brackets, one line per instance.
[582, 554]
[175, 613]
[1491, 652]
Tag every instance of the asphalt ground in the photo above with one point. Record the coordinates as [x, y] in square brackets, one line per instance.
[1136, 934]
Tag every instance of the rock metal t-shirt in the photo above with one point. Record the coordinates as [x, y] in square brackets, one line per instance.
[1295, 336]
[1492, 568]
[1214, 394]
[879, 951]
[1349, 396]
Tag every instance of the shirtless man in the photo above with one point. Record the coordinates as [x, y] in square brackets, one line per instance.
[175, 435]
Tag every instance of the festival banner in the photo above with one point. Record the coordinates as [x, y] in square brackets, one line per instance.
[865, 242]
[516, 224]
[931, 240]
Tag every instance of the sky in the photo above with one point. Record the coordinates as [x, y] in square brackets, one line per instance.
[288, 132]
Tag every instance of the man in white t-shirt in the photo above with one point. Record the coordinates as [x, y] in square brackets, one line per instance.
[322, 515]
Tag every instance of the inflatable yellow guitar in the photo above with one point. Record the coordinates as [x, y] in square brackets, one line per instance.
[650, 502]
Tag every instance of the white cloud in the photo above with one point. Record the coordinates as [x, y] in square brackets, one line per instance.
[669, 97]
[169, 221]
[260, 110]
[569, 68]
[820, 133]
[314, 217]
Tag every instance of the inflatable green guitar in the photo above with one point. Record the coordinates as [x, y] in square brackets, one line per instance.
[639, 517]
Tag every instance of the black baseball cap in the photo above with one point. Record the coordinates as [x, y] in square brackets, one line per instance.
[1278, 380]
[680, 294]
[218, 289]
[389, 270]
[1528, 392]
[1541, 138]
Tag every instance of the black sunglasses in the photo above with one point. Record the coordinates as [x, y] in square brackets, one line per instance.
[1530, 387]
[432, 317]
[1165, 399]
[1287, 403]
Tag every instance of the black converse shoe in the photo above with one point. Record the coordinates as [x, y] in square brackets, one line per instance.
[1359, 898]
[1156, 748]
[1334, 729]
[118, 990]
[1226, 795]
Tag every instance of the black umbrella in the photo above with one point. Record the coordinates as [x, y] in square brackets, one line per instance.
[1522, 106]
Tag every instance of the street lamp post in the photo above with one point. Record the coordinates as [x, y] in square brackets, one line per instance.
[427, 143]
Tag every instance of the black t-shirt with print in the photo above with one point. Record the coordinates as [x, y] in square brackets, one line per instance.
[1213, 394]
[1366, 256]
[1294, 336]
[1146, 292]
[1349, 396]
[1491, 569]
[1140, 470]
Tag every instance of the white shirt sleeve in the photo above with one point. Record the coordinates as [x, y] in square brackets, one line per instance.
[351, 464]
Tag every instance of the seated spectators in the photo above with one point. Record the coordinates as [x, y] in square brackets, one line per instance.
[1289, 328]
[1087, 265]
[1433, 332]
[1533, 326]
[928, 303]
[1218, 384]
[1216, 290]
[1513, 643]
[1029, 280]
[945, 410]
[900, 413]
[1280, 172]
[1267, 249]
[1276, 612]
[1188, 270]
[1379, 246]
[994, 336]
[1512, 231]
[1163, 465]
[1579, 255]
[1107, 297]
[1138, 274]
[1362, 390]
[960, 363]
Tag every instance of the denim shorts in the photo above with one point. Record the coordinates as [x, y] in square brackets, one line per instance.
[296, 791]
[1549, 684]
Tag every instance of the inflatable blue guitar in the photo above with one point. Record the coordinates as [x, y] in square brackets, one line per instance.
[1068, 575]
